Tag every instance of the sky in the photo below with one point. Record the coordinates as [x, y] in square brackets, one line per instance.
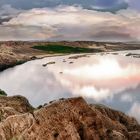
[55, 20]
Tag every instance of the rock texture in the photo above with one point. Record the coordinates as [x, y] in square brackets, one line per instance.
[12, 54]
[66, 119]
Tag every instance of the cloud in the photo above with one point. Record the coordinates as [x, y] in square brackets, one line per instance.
[134, 4]
[73, 23]
[107, 5]
[92, 78]
[92, 92]
[126, 98]
[7, 12]
[24, 33]
[135, 111]
[4, 19]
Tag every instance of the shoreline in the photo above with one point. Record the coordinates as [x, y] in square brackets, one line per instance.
[4, 66]
[20, 62]
[16, 53]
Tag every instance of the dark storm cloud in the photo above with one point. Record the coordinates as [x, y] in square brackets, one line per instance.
[4, 20]
[107, 5]
[7, 12]
[134, 4]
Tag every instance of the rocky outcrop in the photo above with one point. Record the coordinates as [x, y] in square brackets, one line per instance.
[8, 58]
[13, 106]
[66, 119]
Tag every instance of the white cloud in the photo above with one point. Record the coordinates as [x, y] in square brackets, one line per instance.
[98, 78]
[76, 23]
[24, 32]
[126, 98]
[93, 93]
[135, 111]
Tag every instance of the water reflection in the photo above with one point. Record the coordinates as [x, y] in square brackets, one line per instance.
[113, 80]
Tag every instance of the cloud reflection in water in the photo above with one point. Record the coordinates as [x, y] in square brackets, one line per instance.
[111, 80]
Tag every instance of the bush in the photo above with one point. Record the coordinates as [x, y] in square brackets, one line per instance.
[2, 93]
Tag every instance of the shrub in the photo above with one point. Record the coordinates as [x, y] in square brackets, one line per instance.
[2, 93]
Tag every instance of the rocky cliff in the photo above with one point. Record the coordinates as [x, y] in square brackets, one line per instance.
[66, 119]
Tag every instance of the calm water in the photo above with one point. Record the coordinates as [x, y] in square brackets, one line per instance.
[113, 80]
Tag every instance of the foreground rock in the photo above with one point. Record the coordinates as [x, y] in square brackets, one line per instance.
[70, 119]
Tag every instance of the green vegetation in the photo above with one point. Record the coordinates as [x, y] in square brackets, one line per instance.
[2, 93]
[63, 49]
[3, 67]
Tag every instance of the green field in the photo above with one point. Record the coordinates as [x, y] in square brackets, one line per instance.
[63, 49]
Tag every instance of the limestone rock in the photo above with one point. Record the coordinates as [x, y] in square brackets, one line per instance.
[69, 119]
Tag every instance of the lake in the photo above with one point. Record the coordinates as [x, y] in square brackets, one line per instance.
[109, 79]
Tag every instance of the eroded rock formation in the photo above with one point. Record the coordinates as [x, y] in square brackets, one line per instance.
[67, 119]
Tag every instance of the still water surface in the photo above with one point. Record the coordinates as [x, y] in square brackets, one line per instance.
[113, 80]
